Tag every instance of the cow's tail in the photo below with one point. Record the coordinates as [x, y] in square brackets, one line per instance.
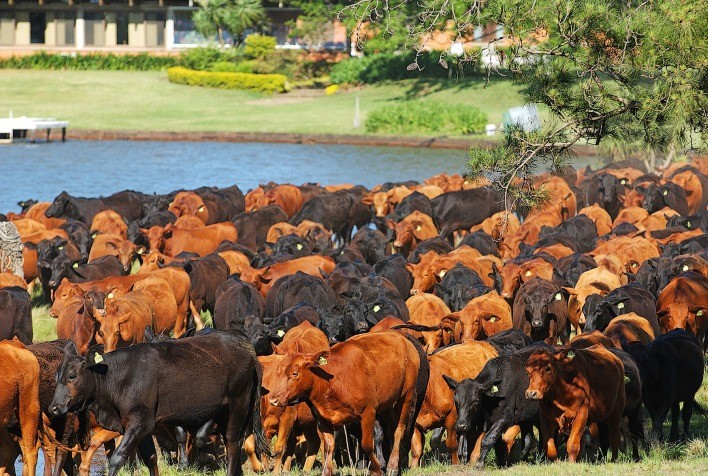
[262, 445]
[699, 409]
[421, 385]
[418, 327]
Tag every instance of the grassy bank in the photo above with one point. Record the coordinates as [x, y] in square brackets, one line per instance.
[121, 100]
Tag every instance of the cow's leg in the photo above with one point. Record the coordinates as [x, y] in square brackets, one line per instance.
[687, 413]
[576, 434]
[29, 423]
[328, 436]
[97, 440]
[138, 427]
[196, 316]
[239, 419]
[405, 411]
[509, 437]
[313, 447]
[148, 454]
[548, 429]
[249, 447]
[368, 420]
[451, 437]
[182, 457]
[285, 427]
[675, 410]
[491, 436]
[417, 444]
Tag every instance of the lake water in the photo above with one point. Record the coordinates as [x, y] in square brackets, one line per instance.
[92, 168]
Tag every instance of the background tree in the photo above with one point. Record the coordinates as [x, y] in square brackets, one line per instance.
[232, 16]
[626, 72]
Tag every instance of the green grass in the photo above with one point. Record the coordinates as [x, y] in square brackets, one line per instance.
[122, 100]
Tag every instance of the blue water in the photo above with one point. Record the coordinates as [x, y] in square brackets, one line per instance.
[93, 168]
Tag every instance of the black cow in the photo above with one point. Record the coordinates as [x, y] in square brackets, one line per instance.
[691, 222]
[671, 369]
[80, 235]
[648, 274]
[509, 341]
[666, 195]
[299, 287]
[253, 226]
[629, 298]
[437, 244]
[66, 266]
[236, 300]
[568, 269]
[15, 314]
[25, 205]
[292, 246]
[540, 310]
[604, 189]
[331, 210]
[219, 371]
[47, 251]
[416, 201]
[223, 204]
[482, 242]
[497, 396]
[458, 287]
[580, 228]
[127, 203]
[205, 276]
[394, 269]
[464, 209]
[293, 317]
[338, 325]
[154, 218]
[373, 245]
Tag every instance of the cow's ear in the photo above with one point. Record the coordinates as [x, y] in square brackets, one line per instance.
[149, 334]
[276, 350]
[140, 250]
[391, 224]
[451, 382]
[570, 291]
[94, 358]
[124, 318]
[491, 389]
[320, 359]
[71, 350]
[144, 231]
[368, 200]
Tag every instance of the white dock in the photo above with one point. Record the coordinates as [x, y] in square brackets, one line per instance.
[18, 127]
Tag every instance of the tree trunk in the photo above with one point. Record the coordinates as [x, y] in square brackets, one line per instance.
[220, 34]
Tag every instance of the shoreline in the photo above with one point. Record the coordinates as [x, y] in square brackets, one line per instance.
[440, 142]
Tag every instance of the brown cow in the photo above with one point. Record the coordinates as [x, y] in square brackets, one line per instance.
[448, 183]
[557, 250]
[189, 203]
[73, 322]
[188, 222]
[562, 199]
[528, 232]
[585, 340]
[481, 318]
[430, 191]
[337, 385]
[236, 260]
[499, 225]
[413, 229]
[577, 297]
[280, 229]
[149, 302]
[303, 338]
[633, 215]
[633, 251]
[8, 279]
[612, 263]
[252, 198]
[286, 196]
[433, 267]
[202, 241]
[657, 220]
[27, 226]
[383, 202]
[428, 310]
[29, 265]
[19, 400]
[35, 238]
[600, 217]
[458, 362]
[577, 387]
[109, 222]
[693, 186]
[114, 245]
[36, 212]
[683, 304]
[155, 260]
[515, 274]
[265, 278]
[630, 327]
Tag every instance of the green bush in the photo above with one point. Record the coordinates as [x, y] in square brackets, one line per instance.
[93, 62]
[259, 46]
[394, 66]
[202, 58]
[225, 67]
[268, 83]
[426, 117]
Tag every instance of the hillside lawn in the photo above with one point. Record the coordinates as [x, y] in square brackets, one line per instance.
[683, 459]
[126, 100]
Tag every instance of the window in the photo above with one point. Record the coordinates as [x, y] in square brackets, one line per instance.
[94, 29]
[38, 25]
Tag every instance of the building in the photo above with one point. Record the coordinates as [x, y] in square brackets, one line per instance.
[115, 25]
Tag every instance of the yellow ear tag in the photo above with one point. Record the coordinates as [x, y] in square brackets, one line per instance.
[60, 248]
[623, 181]
[97, 358]
[299, 246]
[688, 224]
[281, 332]
[94, 235]
[627, 380]
[559, 297]
[75, 266]
[620, 305]
[571, 354]
[685, 267]
[493, 319]
[699, 313]
[110, 295]
[494, 389]
[528, 273]
[418, 228]
[377, 308]
[140, 251]
[200, 209]
[666, 192]
[442, 273]
[322, 361]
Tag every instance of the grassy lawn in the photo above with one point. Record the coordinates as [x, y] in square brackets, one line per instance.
[121, 100]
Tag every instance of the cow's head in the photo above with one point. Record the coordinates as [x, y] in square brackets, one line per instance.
[59, 206]
[334, 324]
[157, 235]
[64, 292]
[542, 369]
[76, 381]
[189, 203]
[63, 266]
[468, 397]
[296, 376]
[116, 327]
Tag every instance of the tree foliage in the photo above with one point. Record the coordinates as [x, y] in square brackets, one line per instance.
[217, 17]
[629, 72]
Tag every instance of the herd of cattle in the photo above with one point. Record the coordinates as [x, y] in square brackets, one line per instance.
[443, 311]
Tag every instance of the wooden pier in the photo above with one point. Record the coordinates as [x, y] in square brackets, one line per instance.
[19, 127]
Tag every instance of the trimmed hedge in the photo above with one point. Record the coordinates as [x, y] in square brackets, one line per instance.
[426, 117]
[267, 83]
[93, 62]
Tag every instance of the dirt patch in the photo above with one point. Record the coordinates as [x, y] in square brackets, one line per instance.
[293, 97]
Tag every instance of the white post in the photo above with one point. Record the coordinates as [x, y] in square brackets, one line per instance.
[357, 120]
[80, 36]
[170, 29]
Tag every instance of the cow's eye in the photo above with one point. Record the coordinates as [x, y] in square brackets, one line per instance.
[72, 378]
[296, 374]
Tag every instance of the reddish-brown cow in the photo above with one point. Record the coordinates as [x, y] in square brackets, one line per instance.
[683, 304]
[202, 241]
[428, 310]
[481, 318]
[110, 222]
